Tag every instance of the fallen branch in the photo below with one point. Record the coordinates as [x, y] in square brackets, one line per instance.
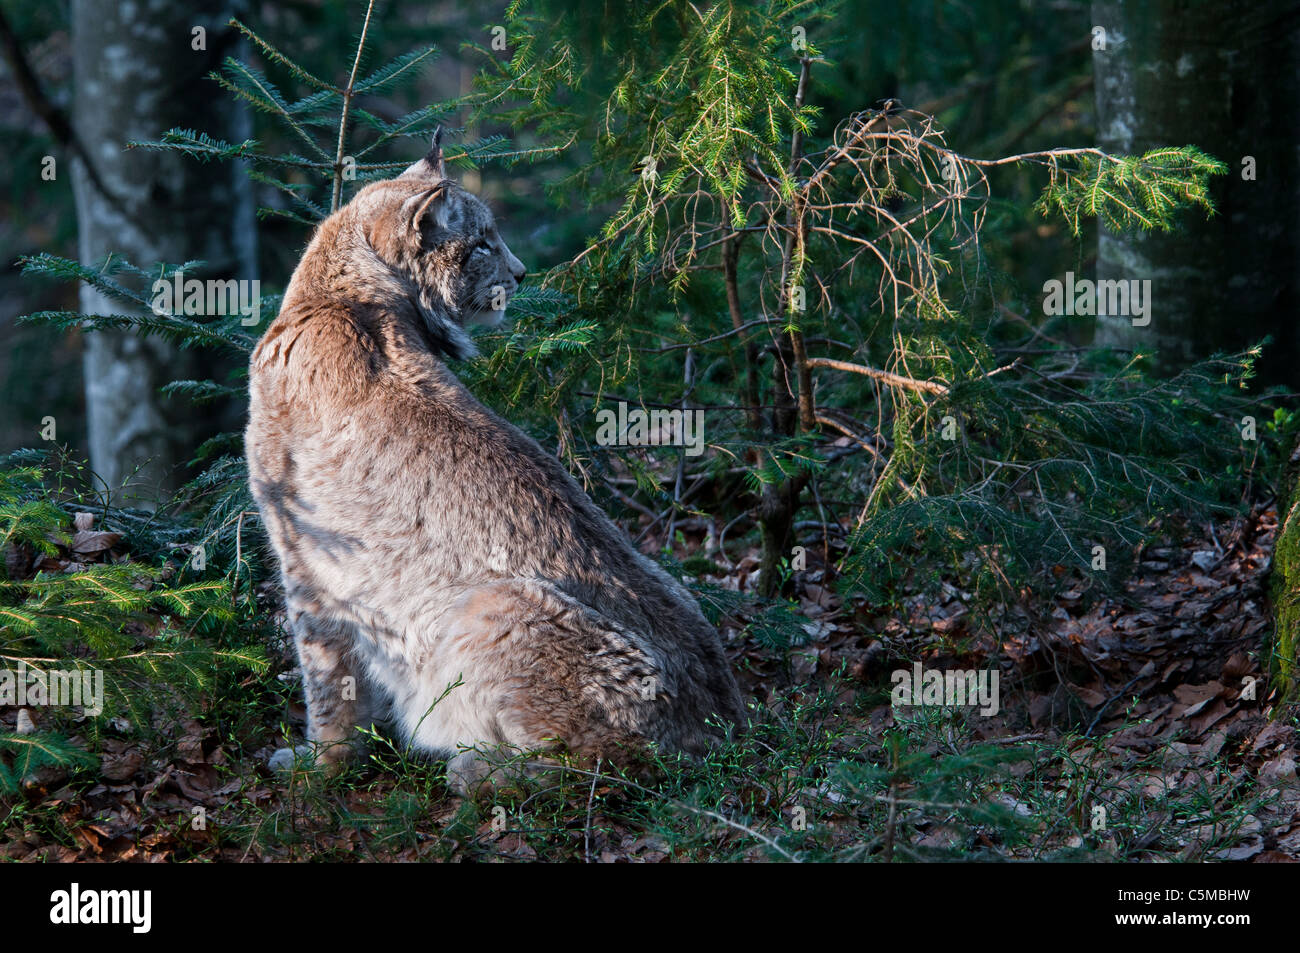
[885, 377]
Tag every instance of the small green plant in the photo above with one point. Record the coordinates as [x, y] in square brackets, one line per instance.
[88, 642]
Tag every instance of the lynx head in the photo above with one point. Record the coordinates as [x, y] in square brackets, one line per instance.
[444, 243]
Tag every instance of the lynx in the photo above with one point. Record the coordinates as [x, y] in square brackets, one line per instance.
[443, 574]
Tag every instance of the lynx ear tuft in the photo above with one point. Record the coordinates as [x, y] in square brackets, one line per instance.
[434, 158]
[432, 165]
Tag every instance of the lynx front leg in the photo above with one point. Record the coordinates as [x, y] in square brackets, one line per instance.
[339, 700]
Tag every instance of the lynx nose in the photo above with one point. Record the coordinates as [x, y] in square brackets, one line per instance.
[517, 269]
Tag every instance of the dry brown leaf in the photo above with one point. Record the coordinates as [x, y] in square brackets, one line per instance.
[91, 542]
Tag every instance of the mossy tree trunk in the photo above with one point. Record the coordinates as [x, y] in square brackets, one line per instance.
[1286, 576]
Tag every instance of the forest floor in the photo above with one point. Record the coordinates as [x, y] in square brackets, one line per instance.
[1138, 725]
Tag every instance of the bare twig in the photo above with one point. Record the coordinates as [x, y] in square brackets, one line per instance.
[591, 797]
[885, 377]
[347, 109]
[795, 242]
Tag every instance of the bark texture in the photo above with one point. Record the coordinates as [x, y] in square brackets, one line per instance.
[1223, 77]
[137, 74]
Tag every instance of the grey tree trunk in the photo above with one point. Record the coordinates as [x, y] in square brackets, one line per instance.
[138, 74]
[1223, 76]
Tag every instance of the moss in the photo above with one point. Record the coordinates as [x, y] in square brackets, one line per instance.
[1286, 594]
[1286, 566]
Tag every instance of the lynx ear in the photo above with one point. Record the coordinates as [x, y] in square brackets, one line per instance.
[417, 206]
[432, 165]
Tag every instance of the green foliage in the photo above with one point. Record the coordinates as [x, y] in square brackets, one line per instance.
[30, 752]
[694, 137]
[222, 332]
[1039, 472]
[1053, 452]
[1130, 192]
[314, 120]
[969, 785]
[156, 636]
[692, 129]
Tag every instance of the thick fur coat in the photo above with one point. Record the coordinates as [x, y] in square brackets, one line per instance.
[442, 572]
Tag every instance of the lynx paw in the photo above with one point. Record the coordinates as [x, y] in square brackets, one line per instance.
[467, 772]
[284, 759]
[478, 772]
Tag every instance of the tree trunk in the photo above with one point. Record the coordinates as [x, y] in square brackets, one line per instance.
[776, 512]
[1223, 77]
[1286, 577]
[138, 74]
[779, 501]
